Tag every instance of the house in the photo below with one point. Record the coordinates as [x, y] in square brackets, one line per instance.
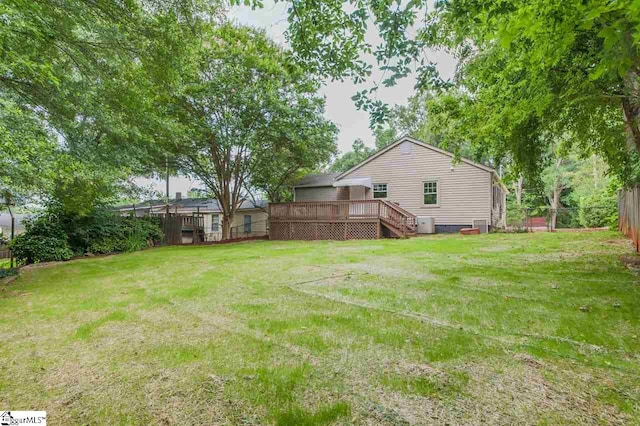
[201, 218]
[5, 223]
[404, 186]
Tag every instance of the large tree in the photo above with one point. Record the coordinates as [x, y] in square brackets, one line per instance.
[533, 70]
[78, 81]
[250, 118]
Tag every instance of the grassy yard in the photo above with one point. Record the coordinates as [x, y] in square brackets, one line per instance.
[526, 328]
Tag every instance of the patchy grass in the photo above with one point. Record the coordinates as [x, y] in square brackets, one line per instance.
[523, 328]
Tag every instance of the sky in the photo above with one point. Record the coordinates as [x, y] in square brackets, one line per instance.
[340, 108]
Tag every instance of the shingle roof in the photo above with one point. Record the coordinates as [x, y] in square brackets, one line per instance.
[209, 204]
[317, 179]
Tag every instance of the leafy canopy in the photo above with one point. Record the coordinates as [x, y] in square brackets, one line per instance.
[528, 73]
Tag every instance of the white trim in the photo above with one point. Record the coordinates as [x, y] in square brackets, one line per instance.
[419, 143]
[364, 181]
[373, 192]
[437, 204]
[312, 186]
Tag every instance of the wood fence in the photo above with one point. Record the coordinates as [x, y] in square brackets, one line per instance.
[179, 228]
[629, 214]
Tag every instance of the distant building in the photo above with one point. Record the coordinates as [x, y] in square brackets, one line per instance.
[250, 220]
[5, 223]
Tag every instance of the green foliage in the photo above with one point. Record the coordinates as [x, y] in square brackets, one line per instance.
[599, 210]
[246, 117]
[78, 81]
[528, 72]
[359, 153]
[59, 235]
[124, 234]
[43, 241]
[8, 272]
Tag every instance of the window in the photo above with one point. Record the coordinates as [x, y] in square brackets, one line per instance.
[431, 193]
[379, 190]
[247, 223]
[215, 223]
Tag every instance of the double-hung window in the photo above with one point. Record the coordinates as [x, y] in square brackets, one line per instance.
[430, 193]
[247, 223]
[379, 190]
[215, 223]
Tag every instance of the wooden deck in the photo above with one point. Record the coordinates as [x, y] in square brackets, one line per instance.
[339, 220]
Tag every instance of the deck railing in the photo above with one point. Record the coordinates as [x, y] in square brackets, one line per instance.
[344, 210]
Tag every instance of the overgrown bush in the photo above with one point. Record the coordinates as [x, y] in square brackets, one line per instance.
[125, 234]
[60, 236]
[43, 241]
[598, 210]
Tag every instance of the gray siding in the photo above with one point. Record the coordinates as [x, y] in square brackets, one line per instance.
[321, 193]
[464, 193]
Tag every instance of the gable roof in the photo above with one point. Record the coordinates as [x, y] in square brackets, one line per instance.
[419, 143]
[316, 180]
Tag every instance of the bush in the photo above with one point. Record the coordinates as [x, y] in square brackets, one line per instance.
[60, 236]
[43, 241]
[123, 234]
[598, 210]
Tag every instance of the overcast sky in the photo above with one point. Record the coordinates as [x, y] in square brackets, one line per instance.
[339, 107]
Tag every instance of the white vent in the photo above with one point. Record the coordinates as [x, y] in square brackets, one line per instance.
[482, 225]
[405, 147]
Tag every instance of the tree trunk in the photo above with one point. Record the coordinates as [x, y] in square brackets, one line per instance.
[518, 190]
[554, 201]
[226, 226]
[631, 110]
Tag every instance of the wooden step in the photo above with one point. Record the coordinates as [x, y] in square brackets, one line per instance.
[397, 230]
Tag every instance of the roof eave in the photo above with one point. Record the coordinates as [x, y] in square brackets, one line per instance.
[419, 143]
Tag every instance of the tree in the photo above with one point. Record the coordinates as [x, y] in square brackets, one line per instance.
[78, 80]
[530, 69]
[556, 177]
[26, 151]
[359, 152]
[245, 110]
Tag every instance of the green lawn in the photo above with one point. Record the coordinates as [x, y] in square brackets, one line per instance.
[522, 328]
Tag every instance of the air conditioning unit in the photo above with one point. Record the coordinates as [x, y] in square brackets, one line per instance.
[426, 225]
[482, 224]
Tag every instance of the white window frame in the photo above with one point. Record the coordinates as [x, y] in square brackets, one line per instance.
[373, 191]
[437, 182]
[215, 220]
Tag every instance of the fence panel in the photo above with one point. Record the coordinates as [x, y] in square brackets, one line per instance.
[629, 213]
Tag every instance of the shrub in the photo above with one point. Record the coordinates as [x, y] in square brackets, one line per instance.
[598, 210]
[123, 234]
[60, 236]
[43, 241]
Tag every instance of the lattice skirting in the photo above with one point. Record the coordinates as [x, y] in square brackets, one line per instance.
[324, 230]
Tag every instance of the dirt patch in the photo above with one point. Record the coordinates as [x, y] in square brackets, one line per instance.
[631, 261]
[509, 393]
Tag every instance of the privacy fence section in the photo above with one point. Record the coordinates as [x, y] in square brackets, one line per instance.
[629, 212]
[547, 219]
[182, 229]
